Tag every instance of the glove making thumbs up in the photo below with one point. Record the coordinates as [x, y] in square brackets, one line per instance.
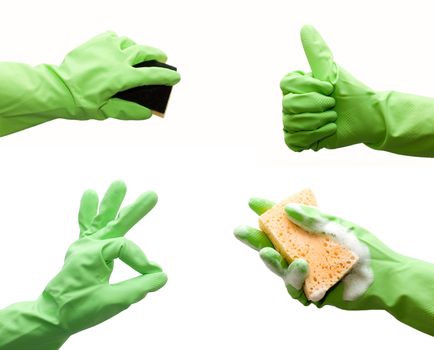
[327, 108]
[319, 55]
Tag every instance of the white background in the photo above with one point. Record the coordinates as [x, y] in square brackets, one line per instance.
[220, 143]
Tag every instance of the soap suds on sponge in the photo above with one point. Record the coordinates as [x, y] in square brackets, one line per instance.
[329, 260]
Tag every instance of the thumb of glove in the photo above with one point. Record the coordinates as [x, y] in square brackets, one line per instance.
[319, 55]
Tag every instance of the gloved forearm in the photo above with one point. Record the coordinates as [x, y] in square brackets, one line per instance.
[30, 96]
[408, 124]
[403, 286]
[413, 306]
[27, 326]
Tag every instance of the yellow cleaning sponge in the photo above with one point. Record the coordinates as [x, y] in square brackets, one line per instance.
[328, 260]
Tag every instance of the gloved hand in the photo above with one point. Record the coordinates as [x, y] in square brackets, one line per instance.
[80, 296]
[382, 279]
[329, 108]
[82, 86]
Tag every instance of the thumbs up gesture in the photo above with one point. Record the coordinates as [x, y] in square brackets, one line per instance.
[327, 108]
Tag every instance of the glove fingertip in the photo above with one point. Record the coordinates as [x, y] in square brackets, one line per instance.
[307, 35]
[301, 266]
[158, 280]
[149, 197]
[158, 54]
[296, 274]
[318, 54]
[159, 76]
[118, 186]
[268, 252]
[176, 77]
[241, 232]
[260, 205]
[89, 193]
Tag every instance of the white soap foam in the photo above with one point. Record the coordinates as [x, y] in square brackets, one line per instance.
[295, 276]
[361, 276]
[318, 294]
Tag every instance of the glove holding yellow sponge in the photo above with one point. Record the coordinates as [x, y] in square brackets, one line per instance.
[380, 279]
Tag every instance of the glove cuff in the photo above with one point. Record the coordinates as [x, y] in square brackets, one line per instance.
[408, 122]
[411, 294]
[28, 326]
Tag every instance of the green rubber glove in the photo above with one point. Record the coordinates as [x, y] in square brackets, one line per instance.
[329, 108]
[381, 280]
[82, 86]
[80, 296]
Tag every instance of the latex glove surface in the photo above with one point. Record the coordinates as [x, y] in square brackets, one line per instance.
[82, 86]
[329, 108]
[80, 296]
[381, 280]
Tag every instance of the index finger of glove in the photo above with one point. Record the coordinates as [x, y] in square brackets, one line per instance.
[309, 218]
[150, 76]
[315, 221]
[130, 253]
[135, 289]
[140, 53]
[298, 83]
